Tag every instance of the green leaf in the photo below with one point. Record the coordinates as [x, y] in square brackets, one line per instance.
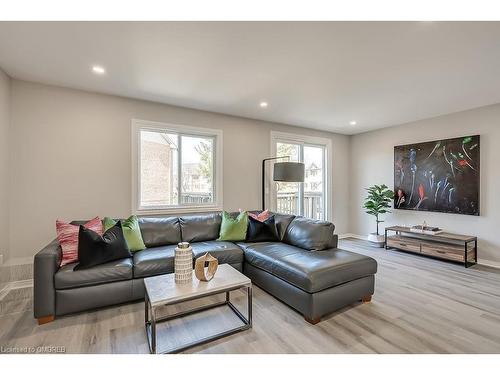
[378, 200]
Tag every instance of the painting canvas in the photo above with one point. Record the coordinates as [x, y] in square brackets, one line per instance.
[441, 176]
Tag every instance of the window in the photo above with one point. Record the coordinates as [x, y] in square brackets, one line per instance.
[176, 168]
[310, 198]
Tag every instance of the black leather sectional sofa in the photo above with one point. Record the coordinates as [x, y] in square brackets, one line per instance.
[305, 269]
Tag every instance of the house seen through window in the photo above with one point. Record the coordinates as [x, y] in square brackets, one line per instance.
[175, 169]
[308, 198]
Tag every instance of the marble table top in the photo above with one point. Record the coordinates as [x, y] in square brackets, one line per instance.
[163, 290]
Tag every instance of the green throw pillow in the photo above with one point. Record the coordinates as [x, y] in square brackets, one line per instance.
[131, 232]
[233, 229]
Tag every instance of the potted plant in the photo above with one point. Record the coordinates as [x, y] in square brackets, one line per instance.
[377, 203]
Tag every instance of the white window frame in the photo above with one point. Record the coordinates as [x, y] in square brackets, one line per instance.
[137, 126]
[304, 140]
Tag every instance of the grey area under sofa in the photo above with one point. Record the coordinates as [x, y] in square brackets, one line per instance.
[305, 269]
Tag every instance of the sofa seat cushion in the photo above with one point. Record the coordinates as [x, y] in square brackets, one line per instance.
[154, 261]
[66, 277]
[311, 271]
[225, 252]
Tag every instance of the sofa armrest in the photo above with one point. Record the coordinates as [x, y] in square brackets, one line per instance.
[45, 266]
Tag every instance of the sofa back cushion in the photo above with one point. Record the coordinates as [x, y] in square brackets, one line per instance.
[310, 234]
[201, 227]
[160, 231]
[282, 223]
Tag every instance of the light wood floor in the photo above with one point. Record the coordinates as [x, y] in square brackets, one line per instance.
[420, 305]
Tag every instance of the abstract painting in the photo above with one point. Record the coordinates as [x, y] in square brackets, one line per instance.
[441, 176]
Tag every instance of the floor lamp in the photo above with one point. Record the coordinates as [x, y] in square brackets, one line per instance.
[286, 171]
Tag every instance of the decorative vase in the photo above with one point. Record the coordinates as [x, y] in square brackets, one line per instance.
[376, 240]
[183, 263]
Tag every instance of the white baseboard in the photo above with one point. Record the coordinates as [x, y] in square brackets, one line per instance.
[352, 235]
[488, 263]
[15, 285]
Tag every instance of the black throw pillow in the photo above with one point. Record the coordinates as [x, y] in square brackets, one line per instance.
[94, 249]
[262, 231]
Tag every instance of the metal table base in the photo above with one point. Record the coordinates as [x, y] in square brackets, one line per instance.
[151, 320]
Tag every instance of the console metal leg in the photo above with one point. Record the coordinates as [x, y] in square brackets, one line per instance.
[467, 264]
[475, 250]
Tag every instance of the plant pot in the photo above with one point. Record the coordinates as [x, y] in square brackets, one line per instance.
[376, 240]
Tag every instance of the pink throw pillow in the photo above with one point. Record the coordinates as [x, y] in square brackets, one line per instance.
[263, 216]
[67, 234]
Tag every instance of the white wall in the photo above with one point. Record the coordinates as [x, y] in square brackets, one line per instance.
[70, 153]
[372, 163]
[5, 93]
[70, 158]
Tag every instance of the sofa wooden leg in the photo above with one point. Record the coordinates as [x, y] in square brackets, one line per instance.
[366, 298]
[45, 319]
[312, 320]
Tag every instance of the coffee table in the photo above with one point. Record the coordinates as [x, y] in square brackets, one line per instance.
[162, 291]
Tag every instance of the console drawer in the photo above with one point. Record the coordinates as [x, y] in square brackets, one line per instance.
[443, 251]
[404, 243]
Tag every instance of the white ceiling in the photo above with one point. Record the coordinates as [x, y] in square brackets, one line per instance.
[320, 75]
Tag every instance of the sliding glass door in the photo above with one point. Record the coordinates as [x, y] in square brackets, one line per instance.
[309, 198]
[288, 194]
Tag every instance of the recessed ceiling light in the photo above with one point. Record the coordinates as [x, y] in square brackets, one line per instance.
[98, 69]
[263, 104]
[352, 123]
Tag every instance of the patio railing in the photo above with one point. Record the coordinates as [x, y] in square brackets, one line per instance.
[287, 203]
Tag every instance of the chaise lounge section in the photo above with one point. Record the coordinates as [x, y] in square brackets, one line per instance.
[305, 269]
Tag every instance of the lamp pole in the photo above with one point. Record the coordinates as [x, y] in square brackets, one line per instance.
[264, 177]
